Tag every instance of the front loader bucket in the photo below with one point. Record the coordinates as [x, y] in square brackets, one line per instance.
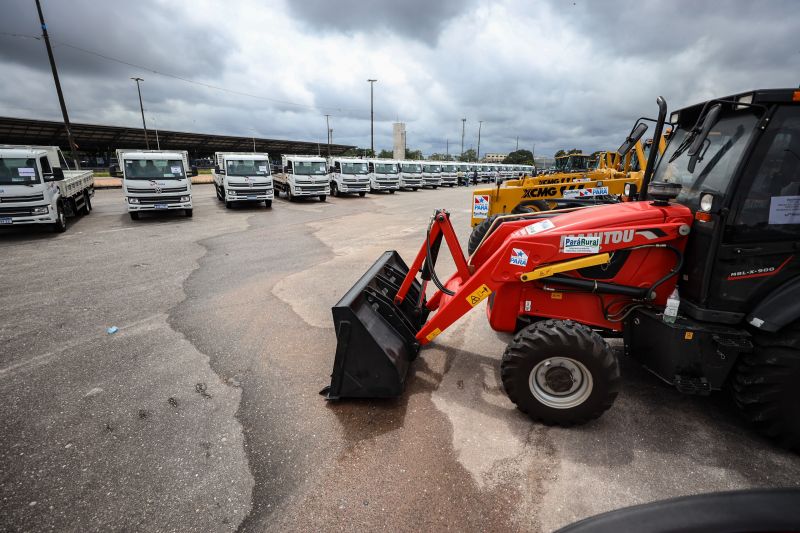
[375, 337]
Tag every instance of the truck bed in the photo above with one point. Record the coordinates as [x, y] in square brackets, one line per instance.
[75, 181]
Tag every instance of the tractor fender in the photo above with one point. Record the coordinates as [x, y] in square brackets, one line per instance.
[778, 309]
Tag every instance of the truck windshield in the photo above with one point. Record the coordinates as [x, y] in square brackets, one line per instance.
[721, 153]
[309, 168]
[448, 168]
[354, 168]
[386, 168]
[149, 169]
[578, 162]
[247, 167]
[412, 168]
[18, 171]
[431, 168]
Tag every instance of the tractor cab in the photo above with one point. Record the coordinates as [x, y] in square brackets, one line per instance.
[737, 162]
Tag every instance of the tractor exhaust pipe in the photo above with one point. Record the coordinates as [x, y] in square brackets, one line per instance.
[651, 158]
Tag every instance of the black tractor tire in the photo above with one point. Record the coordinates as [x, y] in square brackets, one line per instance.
[60, 225]
[530, 206]
[267, 203]
[87, 203]
[765, 385]
[188, 212]
[322, 197]
[559, 372]
[478, 233]
[134, 215]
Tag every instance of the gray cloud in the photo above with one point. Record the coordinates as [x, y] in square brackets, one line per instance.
[551, 73]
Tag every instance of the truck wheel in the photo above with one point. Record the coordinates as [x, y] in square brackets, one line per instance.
[560, 372]
[267, 203]
[415, 189]
[334, 189]
[765, 385]
[228, 205]
[478, 233]
[60, 225]
[362, 194]
[322, 197]
[188, 213]
[434, 186]
[134, 215]
[219, 196]
[87, 203]
[391, 191]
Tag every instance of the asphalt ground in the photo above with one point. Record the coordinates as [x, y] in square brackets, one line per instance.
[202, 413]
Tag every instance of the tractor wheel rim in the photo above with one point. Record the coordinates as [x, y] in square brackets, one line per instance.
[560, 382]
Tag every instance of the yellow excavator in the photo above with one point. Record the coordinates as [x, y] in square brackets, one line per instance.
[530, 194]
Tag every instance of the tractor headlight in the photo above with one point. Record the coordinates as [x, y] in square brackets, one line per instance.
[706, 202]
[132, 200]
[628, 189]
[42, 210]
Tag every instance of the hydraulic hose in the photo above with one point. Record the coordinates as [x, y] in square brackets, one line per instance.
[429, 259]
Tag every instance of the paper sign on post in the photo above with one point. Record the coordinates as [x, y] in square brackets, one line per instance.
[782, 210]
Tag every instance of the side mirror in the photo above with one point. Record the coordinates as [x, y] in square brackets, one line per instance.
[695, 150]
[113, 171]
[634, 136]
[194, 171]
[58, 174]
[630, 191]
[218, 170]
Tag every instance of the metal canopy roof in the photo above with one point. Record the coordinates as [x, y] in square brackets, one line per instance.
[95, 137]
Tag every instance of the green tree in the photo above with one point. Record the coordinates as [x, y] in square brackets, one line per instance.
[560, 153]
[358, 152]
[468, 155]
[386, 154]
[575, 151]
[519, 157]
[413, 154]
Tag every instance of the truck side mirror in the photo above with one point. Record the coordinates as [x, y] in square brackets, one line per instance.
[218, 170]
[113, 170]
[58, 174]
[194, 171]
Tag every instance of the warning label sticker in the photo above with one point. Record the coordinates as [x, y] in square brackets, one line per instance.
[480, 206]
[518, 257]
[540, 226]
[578, 244]
[587, 192]
[478, 295]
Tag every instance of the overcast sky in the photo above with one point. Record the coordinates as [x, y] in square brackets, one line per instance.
[559, 74]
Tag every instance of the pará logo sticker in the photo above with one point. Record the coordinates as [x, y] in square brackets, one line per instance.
[480, 206]
[519, 257]
[587, 192]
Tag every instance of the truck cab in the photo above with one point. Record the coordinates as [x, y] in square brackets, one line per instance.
[431, 174]
[410, 175]
[384, 175]
[243, 177]
[155, 180]
[303, 176]
[449, 174]
[35, 188]
[348, 175]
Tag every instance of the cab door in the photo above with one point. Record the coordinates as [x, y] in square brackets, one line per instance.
[760, 246]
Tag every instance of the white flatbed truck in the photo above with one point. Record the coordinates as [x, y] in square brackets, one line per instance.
[348, 175]
[384, 175]
[303, 176]
[410, 175]
[37, 187]
[243, 177]
[156, 180]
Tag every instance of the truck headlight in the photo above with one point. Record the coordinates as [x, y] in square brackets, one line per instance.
[42, 210]
[184, 198]
[132, 200]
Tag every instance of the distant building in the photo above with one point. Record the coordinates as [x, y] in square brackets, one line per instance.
[399, 129]
[494, 158]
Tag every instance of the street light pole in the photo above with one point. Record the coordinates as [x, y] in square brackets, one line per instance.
[478, 157]
[72, 145]
[463, 125]
[141, 108]
[328, 131]
[371, 117]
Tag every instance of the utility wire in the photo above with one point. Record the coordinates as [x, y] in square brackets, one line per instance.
[175, 76]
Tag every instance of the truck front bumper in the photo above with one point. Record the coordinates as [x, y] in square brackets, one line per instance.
[431, 182]
[311, 190]
[247, 195]
[27, 214]
[411, 183]
[354, 187]
[449, 180]
[385, 185]
[159, 207]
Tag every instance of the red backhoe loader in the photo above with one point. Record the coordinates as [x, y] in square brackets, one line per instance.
[718, 218]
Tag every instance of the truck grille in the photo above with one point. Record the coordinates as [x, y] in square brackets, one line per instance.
[16, 211]
[149, 200]
[138, 190]
[311, 189]
[29, 198]
[249, 191]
